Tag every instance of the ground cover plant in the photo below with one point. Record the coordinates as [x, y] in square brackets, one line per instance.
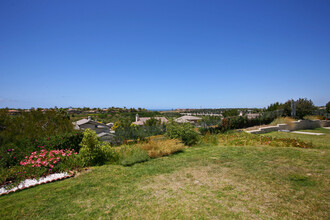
[246, 139]
[322, 141]
[206, 181]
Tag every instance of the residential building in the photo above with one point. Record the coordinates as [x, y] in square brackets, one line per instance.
[188, 119]
[94, 125]
[142, 120]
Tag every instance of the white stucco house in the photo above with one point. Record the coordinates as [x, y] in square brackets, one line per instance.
[142, 120]
[188, 119]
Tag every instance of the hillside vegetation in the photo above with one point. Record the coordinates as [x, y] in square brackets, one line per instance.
[210, 180]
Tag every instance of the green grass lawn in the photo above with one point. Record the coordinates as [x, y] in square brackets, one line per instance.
[204, 182]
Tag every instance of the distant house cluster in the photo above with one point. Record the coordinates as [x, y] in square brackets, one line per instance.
[102, 130]
[163, 120]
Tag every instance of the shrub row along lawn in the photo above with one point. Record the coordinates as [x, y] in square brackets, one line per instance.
[206, 181]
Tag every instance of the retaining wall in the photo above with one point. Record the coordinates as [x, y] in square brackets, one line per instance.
[296, 125]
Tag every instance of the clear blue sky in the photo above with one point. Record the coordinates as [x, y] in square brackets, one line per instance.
[163, 54]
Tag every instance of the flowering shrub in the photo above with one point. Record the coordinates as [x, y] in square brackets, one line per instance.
[46, 158]
[40, 163]
[11, 154]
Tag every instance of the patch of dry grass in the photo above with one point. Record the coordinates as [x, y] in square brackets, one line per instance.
[283, 120]
[313, 117]
[216, 191]
[159, 148]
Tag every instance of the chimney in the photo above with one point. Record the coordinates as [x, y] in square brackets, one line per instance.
[89, 118]
[137, 118]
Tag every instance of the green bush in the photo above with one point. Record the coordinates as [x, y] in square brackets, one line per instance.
[182, 131]
[90, 151]
[93, 152]
[131, 155]
[327, 107]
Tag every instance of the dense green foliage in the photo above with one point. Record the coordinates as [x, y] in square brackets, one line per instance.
[275, 106]
[230, 113]
[182, 131]
[327, 107]
[32, 125]
[93, 152]
[303, 107]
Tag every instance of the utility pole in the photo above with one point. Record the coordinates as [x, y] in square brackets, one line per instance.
[293, 108]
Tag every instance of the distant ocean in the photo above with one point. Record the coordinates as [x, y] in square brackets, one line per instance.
[161, 109]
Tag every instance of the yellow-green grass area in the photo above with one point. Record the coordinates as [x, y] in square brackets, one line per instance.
[203, 182]
[321, 141]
